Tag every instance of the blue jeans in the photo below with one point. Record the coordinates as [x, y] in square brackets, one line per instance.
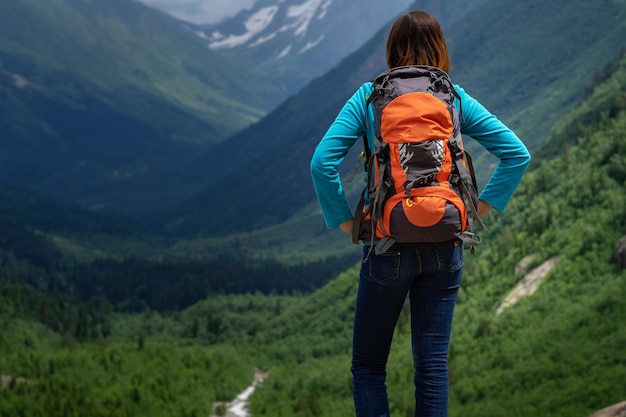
[431, 277]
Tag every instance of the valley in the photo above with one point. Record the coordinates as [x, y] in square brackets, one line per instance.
[160, 241]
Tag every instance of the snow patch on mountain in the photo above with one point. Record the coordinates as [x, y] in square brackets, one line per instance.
[261, 25]
[285, 52]
[299, 39]
[324, 10]
[263, 39]
[302, 15]
[255, 24]
[311, 45]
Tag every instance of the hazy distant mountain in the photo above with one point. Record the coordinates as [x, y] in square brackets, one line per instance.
[298, 39]
[99, 100]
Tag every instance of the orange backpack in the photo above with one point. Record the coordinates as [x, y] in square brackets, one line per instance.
[421, 186]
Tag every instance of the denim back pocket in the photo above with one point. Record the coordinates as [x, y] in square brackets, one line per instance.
[383, 268]
[450, 257]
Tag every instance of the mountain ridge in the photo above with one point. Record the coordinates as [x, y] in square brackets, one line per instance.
[104, 97]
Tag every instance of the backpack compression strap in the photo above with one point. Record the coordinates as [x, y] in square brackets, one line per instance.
[358, 217]
[469, 238]
[377, 194]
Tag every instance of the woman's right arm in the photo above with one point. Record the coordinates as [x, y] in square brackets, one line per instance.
[501, 142]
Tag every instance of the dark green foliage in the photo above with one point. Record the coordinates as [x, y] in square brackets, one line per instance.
[21, 206]
[146, 365]
[61, 313]
[119, 380]
[135, 284]
[24, 244]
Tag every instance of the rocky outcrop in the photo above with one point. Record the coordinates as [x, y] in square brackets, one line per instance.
[616, 410]
[529, 283]
[620, 253]
[7, 380]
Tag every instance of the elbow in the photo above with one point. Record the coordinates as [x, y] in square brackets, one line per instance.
[521, 157]
[321, 166]
[316, 166]
[527, 157]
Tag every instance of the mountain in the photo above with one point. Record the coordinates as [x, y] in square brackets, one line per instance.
[255, 191]
[99, 100]
[529, 61]
[299, 40]
[263, 180]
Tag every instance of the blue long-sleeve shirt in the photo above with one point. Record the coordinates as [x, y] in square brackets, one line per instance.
[350, 125]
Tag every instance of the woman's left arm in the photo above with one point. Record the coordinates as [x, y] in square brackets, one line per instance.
[348, 126]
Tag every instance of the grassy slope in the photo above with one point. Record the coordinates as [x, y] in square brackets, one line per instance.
[557, 352]
[538, 54]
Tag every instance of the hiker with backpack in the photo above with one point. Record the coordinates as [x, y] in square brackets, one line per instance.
[420, 207]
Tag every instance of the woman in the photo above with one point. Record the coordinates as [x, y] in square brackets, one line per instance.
[429, 274]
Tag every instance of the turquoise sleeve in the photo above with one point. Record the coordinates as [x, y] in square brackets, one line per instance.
[349, 125]
[501, 142]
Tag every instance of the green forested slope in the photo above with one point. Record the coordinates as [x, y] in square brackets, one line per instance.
[539, 54]
[556, 353]
[123, 365]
